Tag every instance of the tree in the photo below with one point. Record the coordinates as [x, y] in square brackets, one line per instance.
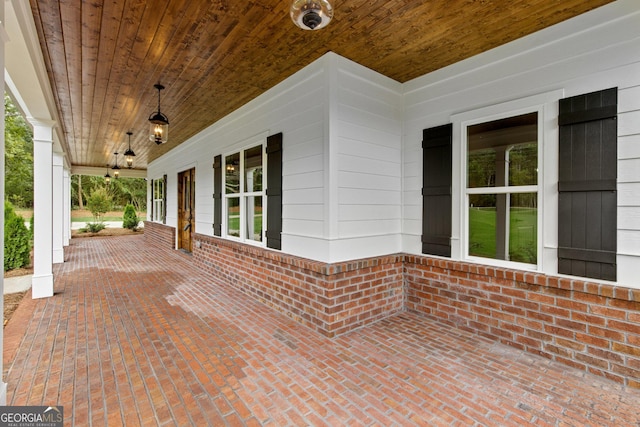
[80, 201]
[130, 219]
[99, 203]
[18, 157]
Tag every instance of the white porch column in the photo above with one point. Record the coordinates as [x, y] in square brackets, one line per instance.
[66, 209]
[57, 205]
[42, 282]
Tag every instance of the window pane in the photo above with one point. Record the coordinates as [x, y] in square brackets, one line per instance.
[523, 239]
[233, 216]
[254, 218]
[503, 152]
[504, 226]
[482, 225]
[523, 164]
[232, 174]
[253, 168]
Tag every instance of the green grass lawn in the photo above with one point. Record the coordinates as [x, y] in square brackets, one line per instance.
[523, 234]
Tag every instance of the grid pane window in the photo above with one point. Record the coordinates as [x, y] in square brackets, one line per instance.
[244, 194]
[502, 193]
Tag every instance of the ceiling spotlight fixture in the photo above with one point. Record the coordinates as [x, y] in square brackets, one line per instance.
[311, 14]
[159, 122]
[116, 168]
[107, 177]
[129, 154]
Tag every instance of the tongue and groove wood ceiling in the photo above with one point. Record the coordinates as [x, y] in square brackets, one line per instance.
[103, 57]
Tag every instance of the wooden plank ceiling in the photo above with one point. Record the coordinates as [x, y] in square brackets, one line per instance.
[213, 56]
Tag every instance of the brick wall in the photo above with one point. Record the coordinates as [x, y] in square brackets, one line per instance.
[591, 326]
[332, 299]
[160, 234]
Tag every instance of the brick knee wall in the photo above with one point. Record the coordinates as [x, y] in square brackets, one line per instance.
[160, 234]
[332, 299]
[591, 326]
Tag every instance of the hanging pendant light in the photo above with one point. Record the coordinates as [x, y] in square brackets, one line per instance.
[311, 14]
[159, 130]
[116, 168]
[107, 177]
[129, 154]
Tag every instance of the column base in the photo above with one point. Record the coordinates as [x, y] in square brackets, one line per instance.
[42, 286]
[58, 256]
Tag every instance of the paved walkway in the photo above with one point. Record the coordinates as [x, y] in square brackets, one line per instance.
[137, 336]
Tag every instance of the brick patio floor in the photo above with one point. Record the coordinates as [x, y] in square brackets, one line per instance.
[136, 335]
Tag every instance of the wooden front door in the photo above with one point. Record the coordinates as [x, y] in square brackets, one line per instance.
[186, 208]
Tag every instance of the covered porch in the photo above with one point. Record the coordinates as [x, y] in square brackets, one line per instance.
[139, 335]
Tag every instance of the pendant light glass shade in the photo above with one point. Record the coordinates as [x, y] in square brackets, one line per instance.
[159, 128]
[116, 168]
[311, 14]
[129, 154]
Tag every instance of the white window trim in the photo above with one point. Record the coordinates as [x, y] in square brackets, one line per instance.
[157, 216]
[546, 105]
[243, 196]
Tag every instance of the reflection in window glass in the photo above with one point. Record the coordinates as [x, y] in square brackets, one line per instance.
[254, 218]
[518, 242]
[232, 173]
[253, 168]
[233, 216]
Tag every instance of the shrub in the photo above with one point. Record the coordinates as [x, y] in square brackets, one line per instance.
[31, 224]
[94, 227]
[17, 241]
[99, 203]
[129, 218]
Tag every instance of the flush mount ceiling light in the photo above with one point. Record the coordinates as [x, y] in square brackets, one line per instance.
[159, 132]
[129, 154]
[311, 14]
[116, 168]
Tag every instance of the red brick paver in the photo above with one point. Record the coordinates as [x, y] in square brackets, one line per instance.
[135, 335]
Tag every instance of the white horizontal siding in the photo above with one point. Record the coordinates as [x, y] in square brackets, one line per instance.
[367, 132]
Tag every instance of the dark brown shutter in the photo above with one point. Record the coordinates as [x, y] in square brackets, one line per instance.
[153, 195]
[436, 190]
[217, 196]
[274, 191]
[164, 200]
[587, 208]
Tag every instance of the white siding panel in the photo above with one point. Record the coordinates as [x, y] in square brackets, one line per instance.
[629, 99]
[629, 194]
[364, 181]
[629, 170]
[629, 147]
[304, 228]
[358, 132]
[366, 149]
[629, 123]
[308, 180]
[368, 197]
[629, 218]
[311, 212]
[369, 212]
[629, 244]
[369, 165]
[628, 271]
[303, 165]
[348, 229]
